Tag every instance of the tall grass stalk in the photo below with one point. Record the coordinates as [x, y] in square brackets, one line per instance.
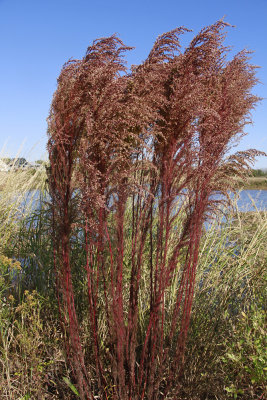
[19, 190]
[225, 354]
[32, 364]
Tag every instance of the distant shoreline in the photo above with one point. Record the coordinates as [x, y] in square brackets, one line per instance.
[251, 183]
[254, 183]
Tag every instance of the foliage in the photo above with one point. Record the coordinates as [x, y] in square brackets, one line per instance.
[215, 330]
[32, 363]
[246, 357]
[259, 172]
[226, 349]
[19, 190]
[6, 160]
[40, 162]
[30, 351]
[123, 148]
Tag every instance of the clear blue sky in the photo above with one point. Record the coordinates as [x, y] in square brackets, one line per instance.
[38, 36]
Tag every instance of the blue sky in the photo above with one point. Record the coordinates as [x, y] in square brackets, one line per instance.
[39, 36]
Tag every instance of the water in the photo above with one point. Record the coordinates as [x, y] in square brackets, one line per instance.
[250, 200]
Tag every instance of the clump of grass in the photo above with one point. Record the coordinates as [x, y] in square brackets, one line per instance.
[225, 354]
[145, 138]
[31, 356]
[226, 350]
[30, 352]
[19, 189]
[32, 363]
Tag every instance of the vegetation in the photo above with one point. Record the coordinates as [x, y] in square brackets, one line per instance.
[18, 189]
[257, 180]
[259, 172]
[225, 356]
[257, 183]
[123, 147]
[107, 276]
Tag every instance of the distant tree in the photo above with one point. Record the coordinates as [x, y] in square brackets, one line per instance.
[7, 160]
[258, 172]
[123, 147]
[19, 161]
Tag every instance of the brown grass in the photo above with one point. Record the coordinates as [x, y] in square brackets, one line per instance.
[257, 183]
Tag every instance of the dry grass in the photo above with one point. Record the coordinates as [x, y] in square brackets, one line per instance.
[257, 183]
[18, 189]
[225, 354]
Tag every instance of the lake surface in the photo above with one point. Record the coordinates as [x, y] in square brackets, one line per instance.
[252, 200]
[247, 200]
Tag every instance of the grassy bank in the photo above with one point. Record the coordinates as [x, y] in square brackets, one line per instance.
[226, 346]
[257, 183]
[19, 179]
